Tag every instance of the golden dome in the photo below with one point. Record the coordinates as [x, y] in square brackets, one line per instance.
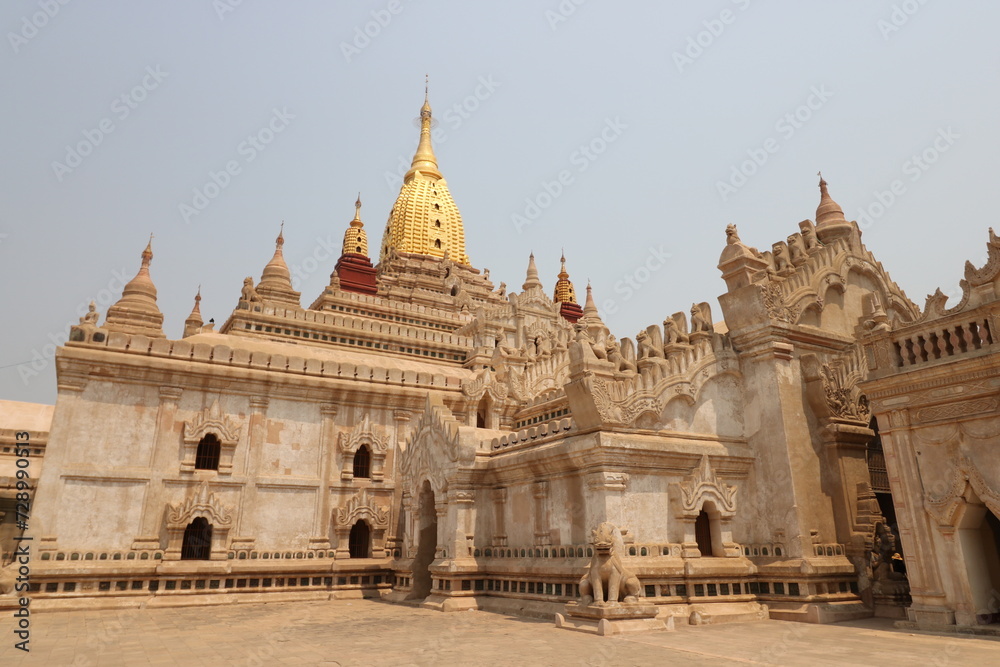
[564, 288]
[355, 238]
[425, 219]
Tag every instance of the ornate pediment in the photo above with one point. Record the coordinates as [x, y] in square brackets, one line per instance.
[363, 433]
[704, 485]
[202, 504]
[435, 449]
[944, 508]
[211, 420]
[486, 381]
[362, 506]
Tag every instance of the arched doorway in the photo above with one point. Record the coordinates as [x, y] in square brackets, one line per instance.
[360, 541]
[427, 530]
[979, 536]
[197, 544]
[708, 531]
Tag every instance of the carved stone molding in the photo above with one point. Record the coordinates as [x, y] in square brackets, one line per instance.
[944, 508]
[202, 504]
[954, 410]
[205, 505]
[613, 481]
[362, 506]
[363, 433]
[212, 421]
[704, 485]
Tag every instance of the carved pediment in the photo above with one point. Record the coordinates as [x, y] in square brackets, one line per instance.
[362, 506]
[944, 508]
[202, 504]
[434, 450]
[485, 381]
[704, 485]
[363, 433]
[211, 420]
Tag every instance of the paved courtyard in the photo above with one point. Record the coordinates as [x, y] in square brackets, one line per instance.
[363, 632]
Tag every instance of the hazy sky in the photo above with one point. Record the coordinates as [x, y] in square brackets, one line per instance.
[118, 114]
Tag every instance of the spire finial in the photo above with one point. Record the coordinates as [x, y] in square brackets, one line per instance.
[531, 279]
[424, 160]
[427, 87]
[280, 241]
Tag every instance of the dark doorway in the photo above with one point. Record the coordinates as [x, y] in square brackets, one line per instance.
[703, 533]
[426, 524]
[197, 543]
[360, 543]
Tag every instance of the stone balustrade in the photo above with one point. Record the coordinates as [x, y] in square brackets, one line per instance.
[531, 435]
[940, 341]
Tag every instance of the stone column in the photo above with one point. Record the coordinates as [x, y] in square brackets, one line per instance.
[46, 507]
[605, 503]
[327, 464]
[409, 525]
[461, 504]
[405, 524]
[441, 510]
[255, 441]
[162, 462]
[916, 532]
[543, 536]
[499, 510]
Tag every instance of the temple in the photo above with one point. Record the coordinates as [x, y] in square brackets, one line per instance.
[819, 451]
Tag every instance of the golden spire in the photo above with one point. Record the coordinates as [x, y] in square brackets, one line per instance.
[355, 238]
[424, 159]
[424, 219]
[531, 279]
[564, 292]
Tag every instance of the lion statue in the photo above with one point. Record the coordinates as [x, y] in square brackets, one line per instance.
[606, 573]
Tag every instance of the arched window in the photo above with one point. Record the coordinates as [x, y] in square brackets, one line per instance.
[197, 543]
[437, 223]
[359, 543]
[362, 462]
[437, 243]
[207, 456]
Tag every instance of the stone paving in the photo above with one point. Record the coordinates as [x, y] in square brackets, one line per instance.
[364, 632]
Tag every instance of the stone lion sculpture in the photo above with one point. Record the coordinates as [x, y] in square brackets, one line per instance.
[607, 582]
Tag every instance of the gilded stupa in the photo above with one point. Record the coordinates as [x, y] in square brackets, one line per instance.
[424, 219]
